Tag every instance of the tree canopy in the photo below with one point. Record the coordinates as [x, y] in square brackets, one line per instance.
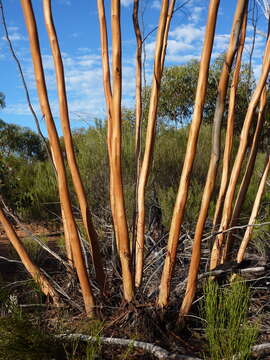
[178, 88]
[20, 141]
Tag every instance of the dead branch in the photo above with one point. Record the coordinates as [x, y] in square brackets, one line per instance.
[153, 349]
[253, 270]
[261, 349]
[36, 239]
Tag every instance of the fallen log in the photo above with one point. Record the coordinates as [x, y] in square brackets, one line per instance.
[153, 349]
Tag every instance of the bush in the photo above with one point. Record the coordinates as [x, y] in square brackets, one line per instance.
[19, 339]
[227, 328]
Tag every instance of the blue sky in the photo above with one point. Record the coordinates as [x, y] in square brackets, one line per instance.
[77, 27]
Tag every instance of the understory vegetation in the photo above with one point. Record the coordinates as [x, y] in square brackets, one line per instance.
[30, 189]
[36, 201]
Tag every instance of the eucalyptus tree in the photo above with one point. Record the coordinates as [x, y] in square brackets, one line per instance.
[112, 82]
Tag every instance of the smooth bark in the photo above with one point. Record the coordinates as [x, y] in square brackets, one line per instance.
[149, 141]
[217, 251]
[69, 146]
[254, 213]
[138, 119]
[108, 94]
[57, 157]
[251, 160]
[229, 130]
[119, 213]
[215, 153]
[180, 204]
[33, 270]
[248, 173]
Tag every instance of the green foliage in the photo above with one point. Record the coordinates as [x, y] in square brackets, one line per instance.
[20, 339]
[75, 349]
[228, 331]
[21, 142]
[31, 189]
[2, 100]
[178, 90]
[93, 348]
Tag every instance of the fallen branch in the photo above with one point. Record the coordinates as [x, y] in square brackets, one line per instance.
[155, 350]
[10, 260]
[261, 349]
[258, 269]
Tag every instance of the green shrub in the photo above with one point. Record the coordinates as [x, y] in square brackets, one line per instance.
[31, 190]
[227, 328]
[21, 340]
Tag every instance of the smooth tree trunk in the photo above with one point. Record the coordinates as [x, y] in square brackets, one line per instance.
[254, 213]
[120, 220]
[149, 141]
[217, 251]
[248, 172]
[108, 94]
[180, 204]
[138, 119]
[166, 32]
[69, 146]
[251, 160]
[57, 158]
[138, 106]
[229, 130]
[33, 270]
[215, 153]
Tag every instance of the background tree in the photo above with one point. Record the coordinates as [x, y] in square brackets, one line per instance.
[20, 142]
[2, 100]
[178, 87]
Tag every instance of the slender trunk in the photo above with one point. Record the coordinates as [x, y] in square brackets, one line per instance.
[215, 153]
[71, 158]
[138, 120]
[254, 213]
[166, 32]
[149, 142]
[108, 95]
[33, 270]
[216, 256]
[57, 157]
[67, 240]
[230, 125]
[120, 220]
[251, 160]
[179, 207]
[248, 172]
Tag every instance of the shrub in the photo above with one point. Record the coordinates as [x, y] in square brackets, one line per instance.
[227, 328]
[19, 339]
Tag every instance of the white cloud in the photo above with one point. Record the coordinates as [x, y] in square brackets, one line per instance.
[196, 14]
[19, 109]
[156, 4]
[175, 46]
[126, 2]
[221, 42]
[181, 58]
[187, 33]
[14, 34]
[65, 2]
